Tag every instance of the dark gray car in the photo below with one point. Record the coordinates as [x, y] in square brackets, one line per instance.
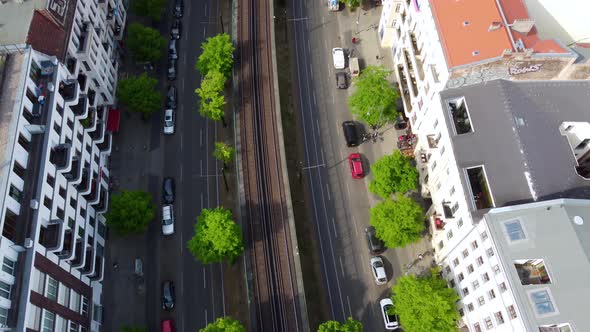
[171, 69]
[341, 80]
[168, 295]
[168, 190]
[376, 245]
[171, 97]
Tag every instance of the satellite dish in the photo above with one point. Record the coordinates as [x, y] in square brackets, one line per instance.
[578, 220]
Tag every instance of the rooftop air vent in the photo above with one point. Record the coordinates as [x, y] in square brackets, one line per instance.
[495, 26]
[523, 25]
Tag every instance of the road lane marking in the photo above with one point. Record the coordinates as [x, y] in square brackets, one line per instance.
[201, 137]
[201, 162]
[317, 123]
[314, 101]
[334, 226]
[180, 215]
[182, 84]
[222, 289]
[206, 7]
[349, 308]
[204, 31]
[181, 148]
[212, 294]
[184, 63]
[328, 191]
[206, 319]
[204, 279]
[348, 189]
[201, 202]
[341, 268]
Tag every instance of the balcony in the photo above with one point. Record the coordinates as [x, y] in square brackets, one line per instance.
[105, 145]
[66, 250]
[82, 79]
[103, 205]
[78, 258]
[93, 195]
[437, 222]
[88, 260]
[60, 156]
[71, 63]
[405, 92]
[98, 269]
[84, 185]
[84, 38]
[532, 272]
[81, 108]
[68, 89]
[460, 115]
[49, 236]
[414, 44]
[88, 122]
[91, 96]
[479, 188]
[433, 141]
[75, 171]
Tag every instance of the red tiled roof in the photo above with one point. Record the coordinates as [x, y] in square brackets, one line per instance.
[46, 35]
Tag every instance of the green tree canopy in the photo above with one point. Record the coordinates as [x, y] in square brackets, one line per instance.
[374, 100]
[133, 329]
[139, 94]
[425, 304]
[352, 4]
[398, 223]
[149, 8]
[226, 324]
[130, 212]
[217, 237]
[393, 174]
[144, 43]
[223, 152]
[217, 55]
[350, 325]
[211, 95]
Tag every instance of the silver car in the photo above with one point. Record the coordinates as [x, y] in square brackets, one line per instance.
[169, 122]
[378, 270]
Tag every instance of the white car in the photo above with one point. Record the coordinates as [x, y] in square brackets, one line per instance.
[169, 122]
[338, 57]
[378, 270]
[167, 220]
[391, 322]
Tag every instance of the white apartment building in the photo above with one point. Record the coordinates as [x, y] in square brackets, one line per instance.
[525, 268]
[58, 71]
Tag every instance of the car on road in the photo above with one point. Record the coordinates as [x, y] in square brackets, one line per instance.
[356, 166]
[178, 8]
[168, 326]
[168, 295]
[168, 188]
[390, 319]
[376, 245]
[350, 133]
[176, 29]
[378, 269]
[169, 119]
[171, 97]
[341, 80]
[168, 219]
[338, 58]
[171, 69]
[172, 49]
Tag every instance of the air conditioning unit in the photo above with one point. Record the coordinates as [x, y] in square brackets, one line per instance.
[29, 243]
[34, 204]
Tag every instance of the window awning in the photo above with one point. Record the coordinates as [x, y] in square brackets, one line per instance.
[113, 120]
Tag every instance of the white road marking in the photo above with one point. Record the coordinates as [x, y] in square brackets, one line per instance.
[341, 266]
[334, 226]
[201, 201]
[204, 279]
[213, 295]
[317, 123]
[205, 7]
[184, 60]
[201, 162]
[222, 289]
[182, 84]
[328, 191]
[181, 148]
[204, 30]
[206, 319]
[348, 189]
[201, 138]
[349, 308]
[314, 101]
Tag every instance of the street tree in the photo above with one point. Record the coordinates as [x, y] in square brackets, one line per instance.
[139, 94]
[352, 4]
[133, 329]
[217, 55]
[223, 152]
[225, 324]
[130, 212]
[217, 237]
[350, 325]
[149, 8]
[398, 222]
[374, 100]
[393, 173]
[211, 96]
[145, 44]
[425, 304]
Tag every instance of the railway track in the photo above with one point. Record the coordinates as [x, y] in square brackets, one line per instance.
[275, 306]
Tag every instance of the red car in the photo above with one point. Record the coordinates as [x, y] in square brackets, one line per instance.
[356, 166]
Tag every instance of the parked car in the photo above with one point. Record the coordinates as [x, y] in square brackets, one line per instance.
[168, 188]
[172, 49]
[350, 133]
[378, 269]
[390, 320]
[178, 8]
[356, 166]
[176, 29]
[171, 97]
[168, 295]
[168, 326]
[169, 119]
[168, 219]
[171, 69]
[338, 58]
[376, 245]
[341, 80]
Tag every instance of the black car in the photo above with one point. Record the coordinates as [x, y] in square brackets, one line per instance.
[168, 190]
[176, 29]
[172, 51]
[168, 295]
[172, 69]
[341, 80]
[350, 133]
[376, 245]
[171, 97]
[178, 8]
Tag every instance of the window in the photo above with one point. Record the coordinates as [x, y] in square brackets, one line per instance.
[481, 301]
[440, 245]
[502, 287]
[448, 269]
[474, 245]
[452, 191]
[16, 194]
[490, 252]
[476, 327]
[496, 269]
[484, 235]
[450, 234]
[52, 286]
[460, 276]
[470, 307]
[84, 309]
[489, 324]
[479, 261]
[455, 208]
[475, 284]
[511, 312]
[455, 262]
[491, 294]
[460, 115]
[5, 290]
[499, 318]
[485, 277]
[542, 302]
[435, 124]
[73, 327]
[514, 230]
[461, 312]
[47, 202]
[465, 291]
[459, 222]
[583, 144]
[19, 170]
[3, 316]
[433, 166]
[470, 268]
[452, 283]
[48, 321]
[62, 192]
[8, 266]
[442, 150]
[465, 253]
[50, 180]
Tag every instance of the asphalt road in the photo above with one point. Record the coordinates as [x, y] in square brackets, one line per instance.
[339, 203]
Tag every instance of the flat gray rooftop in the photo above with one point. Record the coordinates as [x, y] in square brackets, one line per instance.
[15, 19]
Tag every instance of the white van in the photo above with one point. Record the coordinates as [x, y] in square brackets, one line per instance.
[167, 220]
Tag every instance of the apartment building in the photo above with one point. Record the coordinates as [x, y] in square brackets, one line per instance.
[525, 268]
[58, 71]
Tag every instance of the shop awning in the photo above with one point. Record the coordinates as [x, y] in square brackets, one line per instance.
[113, 120]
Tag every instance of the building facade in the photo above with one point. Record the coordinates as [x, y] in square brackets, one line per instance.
[59, 62]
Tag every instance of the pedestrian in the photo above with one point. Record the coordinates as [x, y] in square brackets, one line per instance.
[354, 40]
